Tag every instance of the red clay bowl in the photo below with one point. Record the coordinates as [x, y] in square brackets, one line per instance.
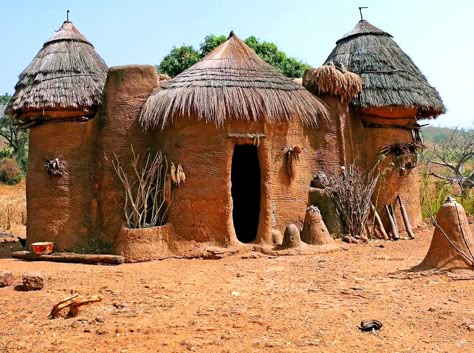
[42, 248]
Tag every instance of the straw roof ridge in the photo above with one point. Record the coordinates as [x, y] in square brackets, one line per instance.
[362, 28]
[389, 76]
[67, 73]
[231, 82]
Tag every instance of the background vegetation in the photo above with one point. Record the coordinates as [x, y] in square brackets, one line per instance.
[183, 57]
[448, 169]
[13, 147]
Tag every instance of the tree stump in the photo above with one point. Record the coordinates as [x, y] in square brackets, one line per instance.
[314, 230]
[452, 243]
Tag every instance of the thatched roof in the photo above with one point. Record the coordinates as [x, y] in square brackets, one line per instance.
[389, 76]
[67, 74]
[231, 82]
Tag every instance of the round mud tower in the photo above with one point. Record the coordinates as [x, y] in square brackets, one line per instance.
[452, 223]
[291, 238]
[314, 230]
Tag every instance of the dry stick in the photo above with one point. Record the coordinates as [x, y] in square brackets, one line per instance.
[392, 213]
[367, 229]
[73, 302]
[393, 226]
[378, 222]
[462, 232]
[406, 221]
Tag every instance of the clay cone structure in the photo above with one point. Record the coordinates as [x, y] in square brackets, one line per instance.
[314, 230]
[292, 237]
[452, 243]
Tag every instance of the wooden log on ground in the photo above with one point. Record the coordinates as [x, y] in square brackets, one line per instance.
[393, 225]
[91, 259]
[378, 222]
[406, 221]
[73, 302]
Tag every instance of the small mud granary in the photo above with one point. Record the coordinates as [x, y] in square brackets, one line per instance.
[231, 121]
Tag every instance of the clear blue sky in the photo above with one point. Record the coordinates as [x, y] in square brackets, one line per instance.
[438, 35]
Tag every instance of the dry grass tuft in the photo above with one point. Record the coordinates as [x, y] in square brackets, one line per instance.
[329, 79]
[12, 205]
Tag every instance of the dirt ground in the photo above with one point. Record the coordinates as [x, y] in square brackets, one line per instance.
[246, 303]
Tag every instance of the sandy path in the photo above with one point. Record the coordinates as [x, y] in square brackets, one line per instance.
[284, 304]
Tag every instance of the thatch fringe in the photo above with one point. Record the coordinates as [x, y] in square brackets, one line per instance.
[231, 82]
[66, 74]
[389, 76]
[329, 79]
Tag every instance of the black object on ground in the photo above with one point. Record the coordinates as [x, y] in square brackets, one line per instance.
[370, 325]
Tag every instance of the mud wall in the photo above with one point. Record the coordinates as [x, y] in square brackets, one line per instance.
[368, 142]
[61, 208]
[337, 148]
[202, 208]
[126, 89]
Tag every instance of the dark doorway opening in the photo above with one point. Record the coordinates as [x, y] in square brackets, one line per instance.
[245, 178]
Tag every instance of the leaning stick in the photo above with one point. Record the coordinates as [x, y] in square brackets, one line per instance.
[405, 218]
[367, 230]
[393, 224]
[378, 222]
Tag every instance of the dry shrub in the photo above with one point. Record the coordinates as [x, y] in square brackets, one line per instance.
[144, 182]
[352, 190]
[12, 205]
[10, 172]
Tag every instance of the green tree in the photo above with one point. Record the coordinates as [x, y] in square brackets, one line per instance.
[15, 138]
[181, 58]
[210, 43]
[178, 60]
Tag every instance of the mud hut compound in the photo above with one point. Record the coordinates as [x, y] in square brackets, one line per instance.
[248, 139]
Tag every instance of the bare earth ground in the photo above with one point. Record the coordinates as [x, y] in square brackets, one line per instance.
[256, 304]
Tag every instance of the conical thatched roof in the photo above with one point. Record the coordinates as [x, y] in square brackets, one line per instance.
[231, 82]
[389, 76]
[67, 75]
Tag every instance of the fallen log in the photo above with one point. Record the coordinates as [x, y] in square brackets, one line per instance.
[393, 225]
[91, 259]
[406, 221]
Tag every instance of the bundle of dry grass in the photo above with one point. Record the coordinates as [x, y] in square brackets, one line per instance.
[351, 190]
[329, 79]
[231, 82]
[389, 76]
[66, 75]
[12, 206]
